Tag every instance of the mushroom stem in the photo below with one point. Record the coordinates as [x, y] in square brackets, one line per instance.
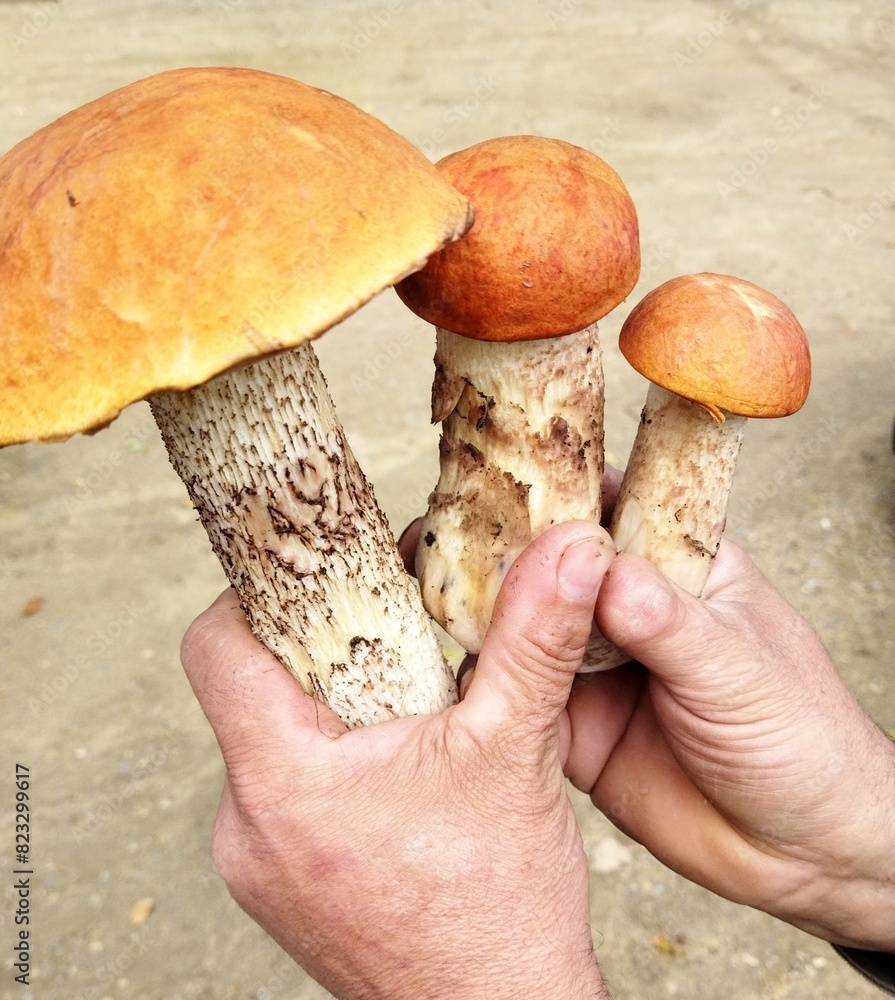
[672, 505]
[521, 449]
[298, 532]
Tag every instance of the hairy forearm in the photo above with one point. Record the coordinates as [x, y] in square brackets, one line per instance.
[536, 953]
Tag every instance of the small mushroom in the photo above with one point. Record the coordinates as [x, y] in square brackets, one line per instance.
[717, 350]
[183, 239]
[519, 381]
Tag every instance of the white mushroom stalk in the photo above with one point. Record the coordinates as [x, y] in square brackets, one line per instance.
[672, 505]
[521, 449]
[301, 538]
[717, 350]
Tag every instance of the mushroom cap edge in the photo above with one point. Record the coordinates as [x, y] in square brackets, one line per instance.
[188, 223]
[722, 342]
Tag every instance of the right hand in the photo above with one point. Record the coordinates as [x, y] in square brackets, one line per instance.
[745, 763]
[432, 856]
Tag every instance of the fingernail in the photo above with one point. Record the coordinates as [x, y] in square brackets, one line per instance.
[579, 568]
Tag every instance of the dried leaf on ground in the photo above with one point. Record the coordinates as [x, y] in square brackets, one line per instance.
[139, 912]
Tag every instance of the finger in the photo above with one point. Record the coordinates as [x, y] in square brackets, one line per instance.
[539, 629]
[600, 708]
[643, 613]
[465, 675]
[612, 482]
[643, 785]
[709, 643]
[251, 700]
[408, 543]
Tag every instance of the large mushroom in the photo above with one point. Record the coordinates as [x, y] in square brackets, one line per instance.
[173, 240]
[519, 381]
[717, 350]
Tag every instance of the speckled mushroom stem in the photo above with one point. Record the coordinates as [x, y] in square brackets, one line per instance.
[521, 449]
[298, 532]
[672, 505]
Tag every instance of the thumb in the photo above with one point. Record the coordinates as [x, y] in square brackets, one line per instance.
[643, 613]
[539, 628]
[711, 643]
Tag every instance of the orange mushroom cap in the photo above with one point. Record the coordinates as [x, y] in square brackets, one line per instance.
[721, 342]
[190, 222]
[553, 248]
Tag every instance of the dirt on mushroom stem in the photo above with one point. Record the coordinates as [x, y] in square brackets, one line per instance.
[716, 349]
[296, 527]
[521, 449]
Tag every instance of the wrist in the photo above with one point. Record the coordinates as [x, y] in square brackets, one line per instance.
[852, 912]
[850, 900]
[479, 978]
[561, 976]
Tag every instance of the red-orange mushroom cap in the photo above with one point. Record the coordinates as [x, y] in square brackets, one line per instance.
[721, 342]
[554, 246]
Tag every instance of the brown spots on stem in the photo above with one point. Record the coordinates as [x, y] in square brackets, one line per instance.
[447, 388]
[699, 547]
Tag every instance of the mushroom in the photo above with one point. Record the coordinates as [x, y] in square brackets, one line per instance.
[183, 239]
[717, 350]
[519, 382]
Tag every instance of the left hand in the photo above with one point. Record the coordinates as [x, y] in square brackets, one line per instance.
[432, 856]
[746, 764]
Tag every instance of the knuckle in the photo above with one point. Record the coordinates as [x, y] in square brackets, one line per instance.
[552, 647]
[191, 644]
[200, 638]
[214, 634]
[229, 856]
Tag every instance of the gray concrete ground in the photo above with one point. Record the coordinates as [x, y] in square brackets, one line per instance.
[756, 138]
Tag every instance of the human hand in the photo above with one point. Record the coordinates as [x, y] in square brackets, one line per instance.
[745, 763]
[431, 856]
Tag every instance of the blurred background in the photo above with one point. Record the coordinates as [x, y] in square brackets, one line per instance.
[756, 138]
